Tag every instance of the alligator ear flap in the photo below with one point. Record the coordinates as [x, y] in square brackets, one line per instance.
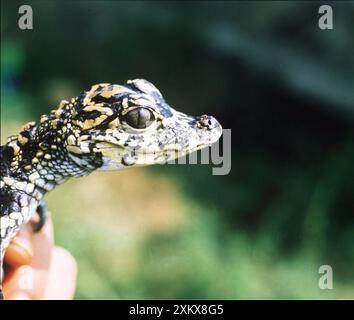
[145, 87]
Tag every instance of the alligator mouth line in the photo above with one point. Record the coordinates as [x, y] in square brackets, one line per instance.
[110, 145]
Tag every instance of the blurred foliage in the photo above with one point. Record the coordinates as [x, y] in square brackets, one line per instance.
[266, 71]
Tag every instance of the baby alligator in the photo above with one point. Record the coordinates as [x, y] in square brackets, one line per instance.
[109, 127]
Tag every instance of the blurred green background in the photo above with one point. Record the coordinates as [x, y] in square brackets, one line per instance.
[263, 69]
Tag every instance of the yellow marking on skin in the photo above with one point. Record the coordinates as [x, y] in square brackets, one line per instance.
[113, 124]
[22, 140]
[90, 123]
[39, 154]
[35, 160]
[47, 156]
[28, 125]
[62, 104]
[87, 101]
[78, 123]
[71, 140]
[96, 86]
[99, 108]
[58, 112]
[15, 147]
[105, 92]
[101, 118]
[28, 167]
[53, 147]
[11, 138]
[54, 123]
[44, 118]
[74, 149]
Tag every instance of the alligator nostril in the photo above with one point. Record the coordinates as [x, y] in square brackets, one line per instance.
[208, 122]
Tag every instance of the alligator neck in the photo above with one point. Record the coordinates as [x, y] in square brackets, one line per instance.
[38, 156]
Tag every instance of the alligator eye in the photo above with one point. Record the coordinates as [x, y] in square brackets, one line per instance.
[139, 118]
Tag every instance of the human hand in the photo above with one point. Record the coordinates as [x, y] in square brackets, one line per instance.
[37, 269]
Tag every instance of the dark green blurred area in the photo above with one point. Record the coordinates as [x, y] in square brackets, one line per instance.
[263, 69]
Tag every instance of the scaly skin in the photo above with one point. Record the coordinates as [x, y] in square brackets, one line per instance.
[109, 127]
